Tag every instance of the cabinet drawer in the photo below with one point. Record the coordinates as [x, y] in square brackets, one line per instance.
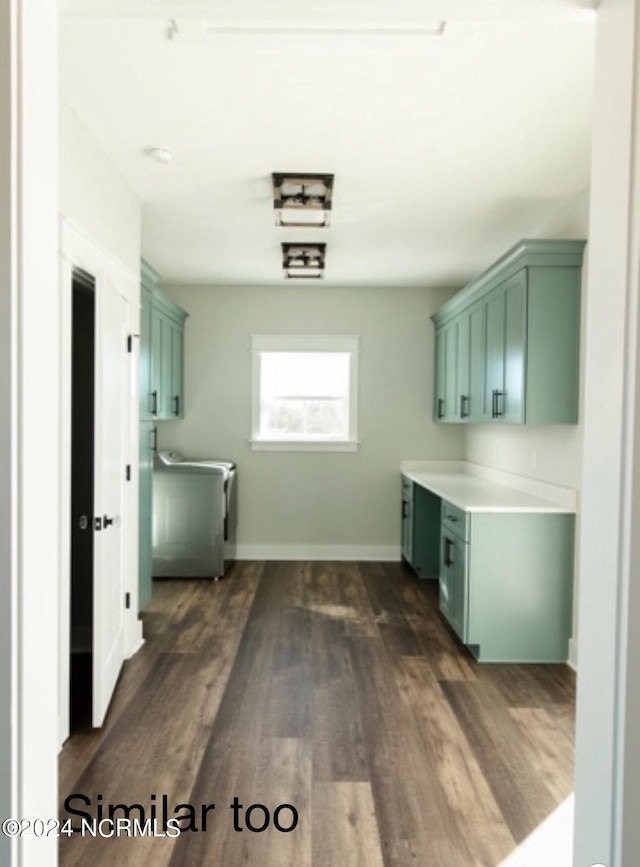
[455, 520]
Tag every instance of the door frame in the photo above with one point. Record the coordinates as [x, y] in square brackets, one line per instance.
[79, 250]
[29, 421]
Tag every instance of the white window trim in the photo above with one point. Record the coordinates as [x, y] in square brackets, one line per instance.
[305, 343]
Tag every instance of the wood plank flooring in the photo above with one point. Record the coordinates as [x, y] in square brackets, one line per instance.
[335, 688]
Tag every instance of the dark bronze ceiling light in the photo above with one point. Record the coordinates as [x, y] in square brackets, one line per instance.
[304, 260]
[302, 199]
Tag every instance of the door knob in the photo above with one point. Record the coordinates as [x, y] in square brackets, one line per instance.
[106, 521]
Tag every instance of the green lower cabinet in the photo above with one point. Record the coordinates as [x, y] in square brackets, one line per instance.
[145, 500]
[453, 578]
[426, 511]
[507, 592]
[420, 521]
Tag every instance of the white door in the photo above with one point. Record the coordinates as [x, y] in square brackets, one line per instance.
[111, 424]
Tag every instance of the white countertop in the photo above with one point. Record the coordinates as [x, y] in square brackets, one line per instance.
[479, 489]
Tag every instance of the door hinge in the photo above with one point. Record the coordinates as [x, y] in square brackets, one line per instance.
[127, 473]
[129, 342]
[127, 600]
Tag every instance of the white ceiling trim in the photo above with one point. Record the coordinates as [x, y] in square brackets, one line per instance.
[192, 31]
[410, 12]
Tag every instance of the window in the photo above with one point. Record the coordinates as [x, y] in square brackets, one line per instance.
[305, 390]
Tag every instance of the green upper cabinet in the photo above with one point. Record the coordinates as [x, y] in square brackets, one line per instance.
[459, 368]
[505, 350]
[469, 361]
[463, 367]
[177, 371]
[146, 299]
[445, 386]
[515, 340]
[162, 379]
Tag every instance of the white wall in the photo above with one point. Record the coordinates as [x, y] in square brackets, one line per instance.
[323, 504]
[607, 802]
[94, 195]
[8, 626]
[549, 453]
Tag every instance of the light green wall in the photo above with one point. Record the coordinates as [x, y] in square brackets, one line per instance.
[327, 499]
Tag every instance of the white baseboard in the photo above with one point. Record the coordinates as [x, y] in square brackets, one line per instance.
[135, 640]
[573, 654]
[319, 552]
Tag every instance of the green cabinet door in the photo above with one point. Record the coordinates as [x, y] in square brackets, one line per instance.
[463, 368]
[553, 346]
[162, 366]
[493, 312]
[157, 366]
[407, 520]
[469, 365]
[177, 371]
[474, 404]
[439, 401]
[505, 312]
[145, 502]
[145, 355]
[458, 601]
[450, 386]
[445, 576]
[167, 354]
[512, 406]
[445, 374]
[453, 581]
[165, 365]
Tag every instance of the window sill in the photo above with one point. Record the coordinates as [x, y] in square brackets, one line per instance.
[304, 445]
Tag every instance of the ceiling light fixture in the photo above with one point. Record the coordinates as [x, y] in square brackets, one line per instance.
[159, 153]
[303, 260]
[302, 199]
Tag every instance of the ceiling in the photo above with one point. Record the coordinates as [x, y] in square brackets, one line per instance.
[453, 128]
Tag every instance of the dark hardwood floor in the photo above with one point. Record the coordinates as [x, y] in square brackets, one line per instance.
[335, 688]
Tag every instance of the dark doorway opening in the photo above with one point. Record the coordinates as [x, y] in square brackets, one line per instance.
[82, 498]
